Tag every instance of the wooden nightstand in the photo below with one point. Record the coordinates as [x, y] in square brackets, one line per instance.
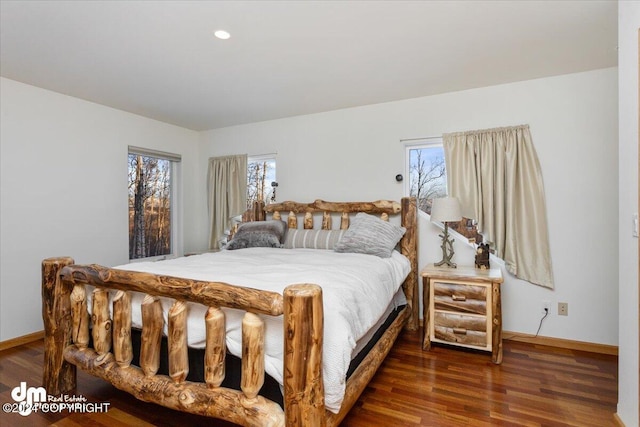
[462, 307]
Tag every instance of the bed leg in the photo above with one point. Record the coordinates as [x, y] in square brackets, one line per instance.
[59, 376]
[409, 247]
[303, 332]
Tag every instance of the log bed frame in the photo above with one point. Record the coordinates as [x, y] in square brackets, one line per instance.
[67, 333]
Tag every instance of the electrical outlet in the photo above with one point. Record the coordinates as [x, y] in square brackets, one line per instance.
[546, 307]
[563, 308]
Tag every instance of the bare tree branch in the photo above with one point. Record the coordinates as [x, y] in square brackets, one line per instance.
[149, 206]
[427, 179]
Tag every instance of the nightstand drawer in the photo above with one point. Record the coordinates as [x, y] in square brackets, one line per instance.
[460, 298]
[474, 338]
[461, 329]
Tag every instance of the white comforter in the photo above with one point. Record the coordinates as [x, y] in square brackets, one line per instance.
[356, 290]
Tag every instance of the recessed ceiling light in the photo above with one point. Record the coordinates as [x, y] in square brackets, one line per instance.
[222, 34]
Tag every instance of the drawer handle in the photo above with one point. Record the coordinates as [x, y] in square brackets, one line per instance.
[458, 297]
[460, 331]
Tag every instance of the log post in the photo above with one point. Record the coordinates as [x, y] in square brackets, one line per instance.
[409, 248]
[122, 346]
[303, 336]
[80, 333]
[308, 221]
[178, 351]
[344, 221]
[59, 376]
[258, 211]
[152, 325]
[214, 355]
[292, 220]
[496, 324]
[326, 220]
[252, 355]
[276, 216]
[426, 320]
[101, 322]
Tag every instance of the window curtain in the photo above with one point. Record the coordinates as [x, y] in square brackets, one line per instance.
[496, 175]
[227, 188]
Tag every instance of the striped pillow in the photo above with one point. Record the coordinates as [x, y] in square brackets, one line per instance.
[312, 239]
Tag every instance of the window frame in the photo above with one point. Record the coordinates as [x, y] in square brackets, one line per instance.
[176, 244]
[412, 144]
[433, 142]
[262, 158]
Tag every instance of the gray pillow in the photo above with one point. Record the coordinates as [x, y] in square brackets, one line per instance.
[267, 234]
[254, 240]
[369, 234]
[312, 239]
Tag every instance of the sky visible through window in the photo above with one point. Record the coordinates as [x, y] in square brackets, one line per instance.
[427, 174]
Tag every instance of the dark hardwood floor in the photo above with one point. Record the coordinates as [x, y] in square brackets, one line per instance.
[534, 386]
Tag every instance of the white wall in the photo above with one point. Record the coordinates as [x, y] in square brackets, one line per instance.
[356, 153]
[64, 188]
[628, 365]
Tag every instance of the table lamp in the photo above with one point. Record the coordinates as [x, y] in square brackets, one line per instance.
[445, 210]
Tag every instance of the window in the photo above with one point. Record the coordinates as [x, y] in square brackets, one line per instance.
[427, 172]
[152, 203]
[261, 179]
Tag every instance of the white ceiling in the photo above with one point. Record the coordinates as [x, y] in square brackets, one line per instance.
[159, 59]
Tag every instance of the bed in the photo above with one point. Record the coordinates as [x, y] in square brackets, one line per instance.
[260, 308]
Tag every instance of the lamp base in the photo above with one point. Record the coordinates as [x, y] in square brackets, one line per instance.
[446, 263]
[447, 249]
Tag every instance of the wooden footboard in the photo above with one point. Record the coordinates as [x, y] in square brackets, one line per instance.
[67, 340]
[67, 337]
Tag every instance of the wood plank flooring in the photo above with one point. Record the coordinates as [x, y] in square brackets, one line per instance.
[534, 386]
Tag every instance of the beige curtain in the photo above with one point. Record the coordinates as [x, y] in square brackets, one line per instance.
[496, 175]
[227, 188]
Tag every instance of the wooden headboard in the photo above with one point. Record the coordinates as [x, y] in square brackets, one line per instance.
[303, 213]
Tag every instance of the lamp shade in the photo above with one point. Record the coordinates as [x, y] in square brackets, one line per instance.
[446, 209]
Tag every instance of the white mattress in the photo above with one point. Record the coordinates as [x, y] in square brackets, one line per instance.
[358, 292]
[399, 300]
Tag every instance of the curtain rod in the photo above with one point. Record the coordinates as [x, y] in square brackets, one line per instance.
[420, 139]
[263, 155]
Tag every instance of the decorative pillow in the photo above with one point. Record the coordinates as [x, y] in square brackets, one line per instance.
[369, 234]
[254, 240]
[312, 239]
[269, 234]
